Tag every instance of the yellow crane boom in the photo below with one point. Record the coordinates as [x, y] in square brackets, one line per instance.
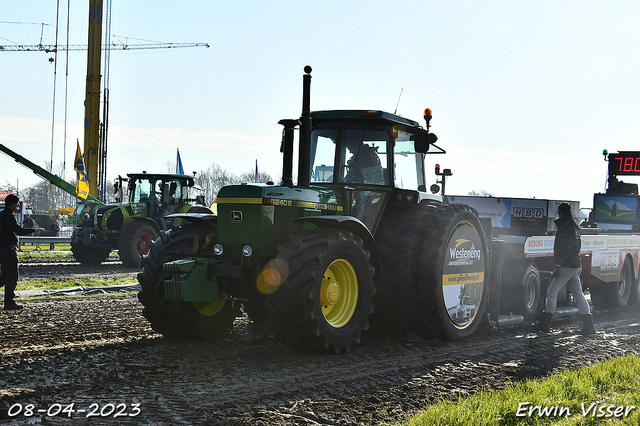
[92, 148]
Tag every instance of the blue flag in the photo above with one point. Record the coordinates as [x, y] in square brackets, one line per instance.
[179, 169]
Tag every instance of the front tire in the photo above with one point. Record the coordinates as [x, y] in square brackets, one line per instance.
[454, 273]
[177, 319]
[325, 299]
[134, 242]
[89, 255]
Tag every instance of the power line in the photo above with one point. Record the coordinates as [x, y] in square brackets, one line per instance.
[50, 48]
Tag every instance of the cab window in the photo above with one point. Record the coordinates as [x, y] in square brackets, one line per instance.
[408, 162]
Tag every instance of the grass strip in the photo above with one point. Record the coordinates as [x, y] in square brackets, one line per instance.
[604, 392]
[61, 250]
[31, 284]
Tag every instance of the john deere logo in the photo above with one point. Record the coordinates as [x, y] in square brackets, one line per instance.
[236, 217]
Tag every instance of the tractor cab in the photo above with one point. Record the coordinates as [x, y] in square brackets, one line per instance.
[162, 193]
[341, 146]
[369, 153]
[368, 148]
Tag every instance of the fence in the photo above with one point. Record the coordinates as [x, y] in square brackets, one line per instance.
[40, 241]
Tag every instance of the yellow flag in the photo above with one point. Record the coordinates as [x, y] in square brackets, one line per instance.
[82, 185]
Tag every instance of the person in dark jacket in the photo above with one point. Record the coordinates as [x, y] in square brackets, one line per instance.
[566, 251]
[10, 229]
[364, 164]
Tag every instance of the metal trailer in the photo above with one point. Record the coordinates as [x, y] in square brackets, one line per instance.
[525, 229]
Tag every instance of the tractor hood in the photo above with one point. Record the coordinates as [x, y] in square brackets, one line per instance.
[316, 199]
[265, 215]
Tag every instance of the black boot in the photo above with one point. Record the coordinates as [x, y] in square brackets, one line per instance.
[12, 306]
[544, 324]
[587, 325]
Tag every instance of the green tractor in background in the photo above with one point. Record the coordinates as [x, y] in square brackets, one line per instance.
[130, 226]
[313, 259]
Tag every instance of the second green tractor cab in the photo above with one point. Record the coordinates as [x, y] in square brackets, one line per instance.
[356, 240]
[136, 219]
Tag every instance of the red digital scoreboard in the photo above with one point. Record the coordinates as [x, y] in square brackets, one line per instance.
[624, 164]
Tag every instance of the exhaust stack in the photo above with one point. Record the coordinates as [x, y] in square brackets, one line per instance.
[304, 171]
[286, 147]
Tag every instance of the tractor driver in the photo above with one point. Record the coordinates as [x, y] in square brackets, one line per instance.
[364, 165]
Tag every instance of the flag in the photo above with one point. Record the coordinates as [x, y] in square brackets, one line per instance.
[257, 179]
[82, 184]
[179, 169]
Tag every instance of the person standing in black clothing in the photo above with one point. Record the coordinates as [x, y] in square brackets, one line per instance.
[10, 229]
[28, 221]
[566, 251]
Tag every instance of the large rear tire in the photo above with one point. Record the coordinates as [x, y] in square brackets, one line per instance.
[399, 240]
[325, 299]
[177, 319]
[454, 273]
[134, 242]
[615, 295]
[89, 255]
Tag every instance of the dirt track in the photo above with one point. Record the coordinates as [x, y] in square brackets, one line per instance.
[100, 350]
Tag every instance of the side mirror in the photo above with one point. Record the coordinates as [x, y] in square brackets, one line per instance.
[422, 141]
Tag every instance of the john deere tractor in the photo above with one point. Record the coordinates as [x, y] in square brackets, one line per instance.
[129, 226]
[312, 259]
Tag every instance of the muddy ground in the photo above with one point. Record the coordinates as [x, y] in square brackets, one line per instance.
[99, 354]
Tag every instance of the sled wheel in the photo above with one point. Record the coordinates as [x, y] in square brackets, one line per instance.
[634, 296]
[615, 295]
[530, 294]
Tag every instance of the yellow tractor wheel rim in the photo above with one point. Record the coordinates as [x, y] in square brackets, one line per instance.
[339, 293]
[211, 308]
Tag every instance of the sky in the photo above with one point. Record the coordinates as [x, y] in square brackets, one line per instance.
[525, 94]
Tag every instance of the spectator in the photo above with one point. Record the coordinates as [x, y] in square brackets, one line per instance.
[10, 229]
[28, 222]
[54, 228]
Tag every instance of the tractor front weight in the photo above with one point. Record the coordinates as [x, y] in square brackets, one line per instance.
[189, 281]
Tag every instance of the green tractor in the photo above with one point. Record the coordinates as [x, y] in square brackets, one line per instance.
[313, 259]
[130, 226]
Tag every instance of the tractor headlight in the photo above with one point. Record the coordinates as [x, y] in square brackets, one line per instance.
[218, 249]
[247, 250]
[406, 197]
